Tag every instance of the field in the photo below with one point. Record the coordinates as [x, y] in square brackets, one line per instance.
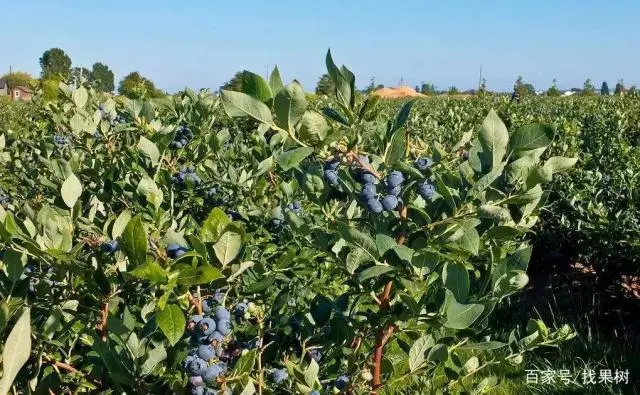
[269, 241]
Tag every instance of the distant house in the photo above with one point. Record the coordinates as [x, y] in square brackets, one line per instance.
[21, 93]
[4, 88]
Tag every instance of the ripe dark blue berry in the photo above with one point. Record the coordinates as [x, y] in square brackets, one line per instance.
[395, 178]
[295, 206]
[195, 381]
[222, 313]
[426, 190]
[175, 250]
[206, 352]
[332, 164]
[389, 202]
[315, 354]
[342, 382]
[423, 163]
[279, 375]
[194, 320]
[215, 336]
[240, 309]
[110, 246]
[368, 192]
[224, 326]
[395, 191]
[212, 373]
[207, 326]
[374, 206]
[367, 178]
[331, 176]
[198, 366]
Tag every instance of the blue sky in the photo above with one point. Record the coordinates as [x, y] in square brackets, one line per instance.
[200, 43]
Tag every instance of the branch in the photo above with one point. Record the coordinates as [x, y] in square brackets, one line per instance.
[101, 327]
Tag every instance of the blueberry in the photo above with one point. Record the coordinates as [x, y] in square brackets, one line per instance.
[218, 296]
[395, 191]
[207, 305]
[175, 250]
[197, 391]
[211, 192]
[207, 326]
[368, 178]
[465, 154]
[279, 375]
[194, 320]
[374, 205]
[423, 163]
[187, 362]
[198, 366]
[315, 354]
[341, 382]
[191, 169]
[234, 215]
[395, 178]
[389, 202]
[426, 190]
[368, 192]
[363, 159]
[180, 253]
[240, 309]
[206, 352]
[212, 373]
[183, 142]
[222, 313]
[215, 336]
[331, 176]
[332, 164]
[295, 206]
[175, 145]
[314, 392]
[195, 381]
[224, 326]
[110, 246]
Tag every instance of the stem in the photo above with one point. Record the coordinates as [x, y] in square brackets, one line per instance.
[260, 370]
[101, 327]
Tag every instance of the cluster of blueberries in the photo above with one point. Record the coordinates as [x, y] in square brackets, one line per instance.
[278, 218]
[60, 141]
[186, 174]
[183, 136]
[4, 198]
[173, 250]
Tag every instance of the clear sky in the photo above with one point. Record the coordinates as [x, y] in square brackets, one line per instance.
[200, 43]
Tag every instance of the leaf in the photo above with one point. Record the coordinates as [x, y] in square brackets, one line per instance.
[255, 86]
[290, 159]
[504, 233]
[470, 240]
[71, 190]
[396, 148]
[443, 190]
[374, 271]
[154, 357]
[455, 278]
[359, 239]
[460, 316]
[120, 223]
[189, 275]
[314, 128]
[148, 148]
[245, 363]
[264, 166]
[496, 213]
[403, 115]
[290, 105]
[488, 179]
[384, 243]
[77, 123]
[150, 271]
[15, 263]
[16, 351]
[227, 247]
[214, 226]
[417, 352]
[311, 374]
[342, 84]
[438, 353]
[356, 258]
[335, 115]
[172, 322]
[559, 164]
[494, 138]
[275, 81]
[238, 104]
[531, 137]
[134, 241]
[80, 96]
[490, 345]
[148, 188]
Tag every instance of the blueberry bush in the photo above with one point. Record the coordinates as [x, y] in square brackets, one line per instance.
[257, 243]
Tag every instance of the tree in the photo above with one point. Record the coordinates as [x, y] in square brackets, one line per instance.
[18, 78]
[604, 89]
[372, 86]
[553, 90]
[78, 74]
[588, 88]
[483, 87]
[453, 90]
[619, 88]
[235, 83]
[135, 86]
[523, 89]
[428, 88]
[103, 77]
[55, 63]
[325, 86]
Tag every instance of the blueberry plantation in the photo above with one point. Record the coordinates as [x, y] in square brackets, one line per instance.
[265, 240]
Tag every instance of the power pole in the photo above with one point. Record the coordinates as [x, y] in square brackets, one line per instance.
[480, 79]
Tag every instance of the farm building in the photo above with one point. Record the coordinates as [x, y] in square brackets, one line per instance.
[16, 93]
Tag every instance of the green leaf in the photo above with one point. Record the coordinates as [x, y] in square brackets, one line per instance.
[483, 346]
[313, 129]
[15, 263]
[77, 123]
[275, 81]
[238, 104]
[227, 247]
[438, 353]
[172, 322]
[80, 96]
[494, 138]
[496, 213]
[403, 115]
[342, 84]
[396, 148]
[504, 233]
[374, 271]
[148, 188]
[384, 243]
[455, 278]
[488, 179]
[290, 159]
[460, 316]
[16, 351]
[519, 260]
[255, 86]
[531, 137]
[443, 190]
[359, 239]
[134, 241]
[559, 164]
[154, 357]
[71, 190]
[418, 350]
[470, 240]
[214, 226]
[311, 374]
[264, 166]
[290, 105]
[148, 148]
[245, 363]
[150, 271]
[356, 258]
[120, 223]
[189, 275]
